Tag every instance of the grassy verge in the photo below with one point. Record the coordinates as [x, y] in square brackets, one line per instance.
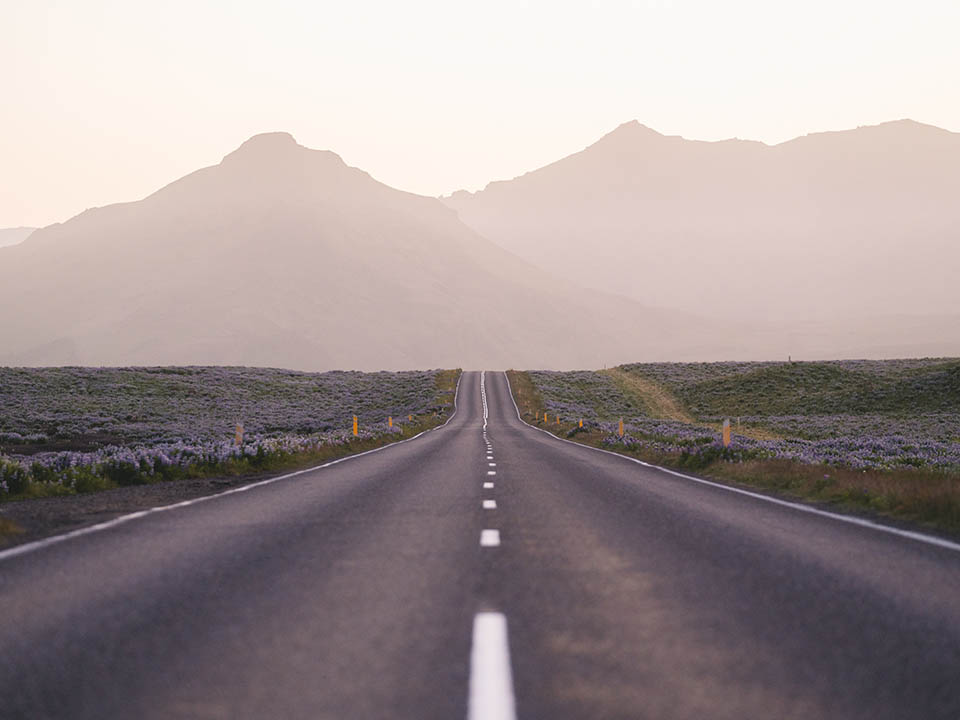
[37, 482]
[926, 497]
[8, 527]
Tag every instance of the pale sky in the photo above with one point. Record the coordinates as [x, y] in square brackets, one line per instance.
[106, 101]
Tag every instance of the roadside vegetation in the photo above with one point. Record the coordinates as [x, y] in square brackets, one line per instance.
[78, 430]
[879, 436]
[8, 528]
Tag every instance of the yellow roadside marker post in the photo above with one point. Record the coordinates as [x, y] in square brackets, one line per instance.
[620, 430]
[238, 439]
[356, 429]
[409, 418]
[558, 419]
[581, 423]
[390, 421]
[726, 433]
[545, 417]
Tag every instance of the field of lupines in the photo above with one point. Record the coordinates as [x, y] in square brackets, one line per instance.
[854, 414]
[875, 436]
[80, 429]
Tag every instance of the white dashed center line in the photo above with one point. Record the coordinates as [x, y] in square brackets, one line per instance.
[483, 397]
[489, 538]
[491, 680]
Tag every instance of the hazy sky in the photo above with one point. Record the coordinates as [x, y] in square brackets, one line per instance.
[105, 101]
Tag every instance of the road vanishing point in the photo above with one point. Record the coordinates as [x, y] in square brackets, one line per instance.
[484, 570]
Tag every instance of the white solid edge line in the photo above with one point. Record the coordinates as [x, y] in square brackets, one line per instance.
[489, 538]
[53, 540]
[489, 504]
[849, 519]
[491, 680]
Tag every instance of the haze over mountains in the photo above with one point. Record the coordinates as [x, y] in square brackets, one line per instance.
[285, 256]
[832, 245]
[845, 241]
[13, 236]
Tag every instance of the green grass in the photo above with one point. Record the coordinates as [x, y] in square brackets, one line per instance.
[924, 497]
[809, 388]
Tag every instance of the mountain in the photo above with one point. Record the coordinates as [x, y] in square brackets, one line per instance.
[14, 236]
[816, 239]
[285, 256]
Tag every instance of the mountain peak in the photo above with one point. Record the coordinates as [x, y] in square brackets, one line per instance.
[627, 135]
[910, 134]
[631, 129]
[914, 126]
[270, 139]
[265, 146]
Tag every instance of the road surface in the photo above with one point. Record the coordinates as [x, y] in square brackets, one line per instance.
[483, 570]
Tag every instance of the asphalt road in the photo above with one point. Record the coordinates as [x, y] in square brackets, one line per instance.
[362, 590]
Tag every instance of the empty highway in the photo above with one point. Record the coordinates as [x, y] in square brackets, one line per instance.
[482, 570]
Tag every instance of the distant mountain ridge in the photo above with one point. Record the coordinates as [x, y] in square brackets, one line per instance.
[829, 225]
[285, 256]
[14, 236]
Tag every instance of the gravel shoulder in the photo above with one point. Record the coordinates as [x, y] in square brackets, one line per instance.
[34, 519]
